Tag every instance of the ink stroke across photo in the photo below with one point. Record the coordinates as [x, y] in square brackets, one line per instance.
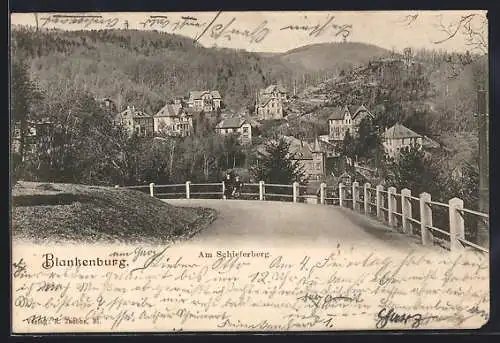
[249, 171]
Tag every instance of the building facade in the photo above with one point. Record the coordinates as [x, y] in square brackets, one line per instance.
[310, 156]
[345, 119]
[270, 102]
[238, 126]
[207, 101]
[136, 121]
[399, 138]
[174, 120]
[36, 133]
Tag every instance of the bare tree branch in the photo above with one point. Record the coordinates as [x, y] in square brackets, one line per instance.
[407, 20]
[475, 36]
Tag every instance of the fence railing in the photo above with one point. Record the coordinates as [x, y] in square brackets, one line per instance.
[435, 222]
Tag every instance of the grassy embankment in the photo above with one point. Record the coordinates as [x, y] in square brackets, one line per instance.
[43, 212]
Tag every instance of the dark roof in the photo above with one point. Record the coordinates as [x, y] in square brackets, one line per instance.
[273, 88]
[399, 131]
[193, 95]
[359, 110]
[339, 112]
[230, 123]
[132, 112]
[301, 149]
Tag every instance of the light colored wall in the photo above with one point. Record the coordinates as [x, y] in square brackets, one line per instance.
[394, 146]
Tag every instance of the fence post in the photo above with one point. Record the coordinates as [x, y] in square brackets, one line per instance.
[322, 191]
[379, 200]
[355, 196]
[406, 210]
[341, 194]
[295, 190]
[261, 190]
[188, 192]
[366, 198]
[391, 205]
[223, 190]
[152, 189]
[425, 219]
[457, 224]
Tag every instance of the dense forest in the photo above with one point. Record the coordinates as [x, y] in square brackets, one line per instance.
[146, 68]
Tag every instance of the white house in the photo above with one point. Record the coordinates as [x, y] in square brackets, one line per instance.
[207, 101]
[398, 137]
[172, 119]
[238, 126]
[270, 102]
[345, 119]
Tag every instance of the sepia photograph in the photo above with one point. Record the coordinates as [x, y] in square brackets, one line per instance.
[249, 171]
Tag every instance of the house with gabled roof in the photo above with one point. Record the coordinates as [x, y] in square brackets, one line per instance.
[136, 121]
[398, 137]
[206, 100]
[277, 91]
[346, 118]
[173, 119]
[310, 156]
[238, 126]
[270, 102]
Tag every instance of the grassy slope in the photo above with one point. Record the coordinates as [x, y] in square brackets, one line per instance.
[62, 212]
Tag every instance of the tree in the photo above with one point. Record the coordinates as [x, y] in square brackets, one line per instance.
[277, 165]
[348, 145]
[415, 170]
[24, 95]
[368, 141]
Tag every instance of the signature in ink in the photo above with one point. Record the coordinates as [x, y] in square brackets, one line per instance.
[19, 268]
[150, 260]
[385, 316]
[228, 31]
[320, 28]
[322, 301]
[85, 20]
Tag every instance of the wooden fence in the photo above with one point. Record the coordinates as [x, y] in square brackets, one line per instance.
[434, 222]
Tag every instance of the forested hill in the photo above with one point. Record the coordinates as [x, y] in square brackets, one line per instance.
[331, 56]
[146, 68]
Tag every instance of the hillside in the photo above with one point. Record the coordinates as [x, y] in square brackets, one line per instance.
[147, 68]
[331, 56]
[67, 212]
[143, 68]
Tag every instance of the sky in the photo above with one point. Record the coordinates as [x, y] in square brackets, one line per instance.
[281, 31]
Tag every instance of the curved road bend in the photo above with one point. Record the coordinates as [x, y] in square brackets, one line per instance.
[282, 224]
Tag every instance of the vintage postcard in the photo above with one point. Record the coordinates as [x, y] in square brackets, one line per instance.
[249, 171]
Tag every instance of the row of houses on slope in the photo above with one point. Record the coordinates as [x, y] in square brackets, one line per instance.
[171, 119]
[395, 139]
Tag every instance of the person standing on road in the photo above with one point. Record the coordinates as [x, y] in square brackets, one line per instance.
[237, 186]
[228, 186]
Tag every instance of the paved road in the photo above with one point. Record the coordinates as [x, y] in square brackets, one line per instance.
[284, 224]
